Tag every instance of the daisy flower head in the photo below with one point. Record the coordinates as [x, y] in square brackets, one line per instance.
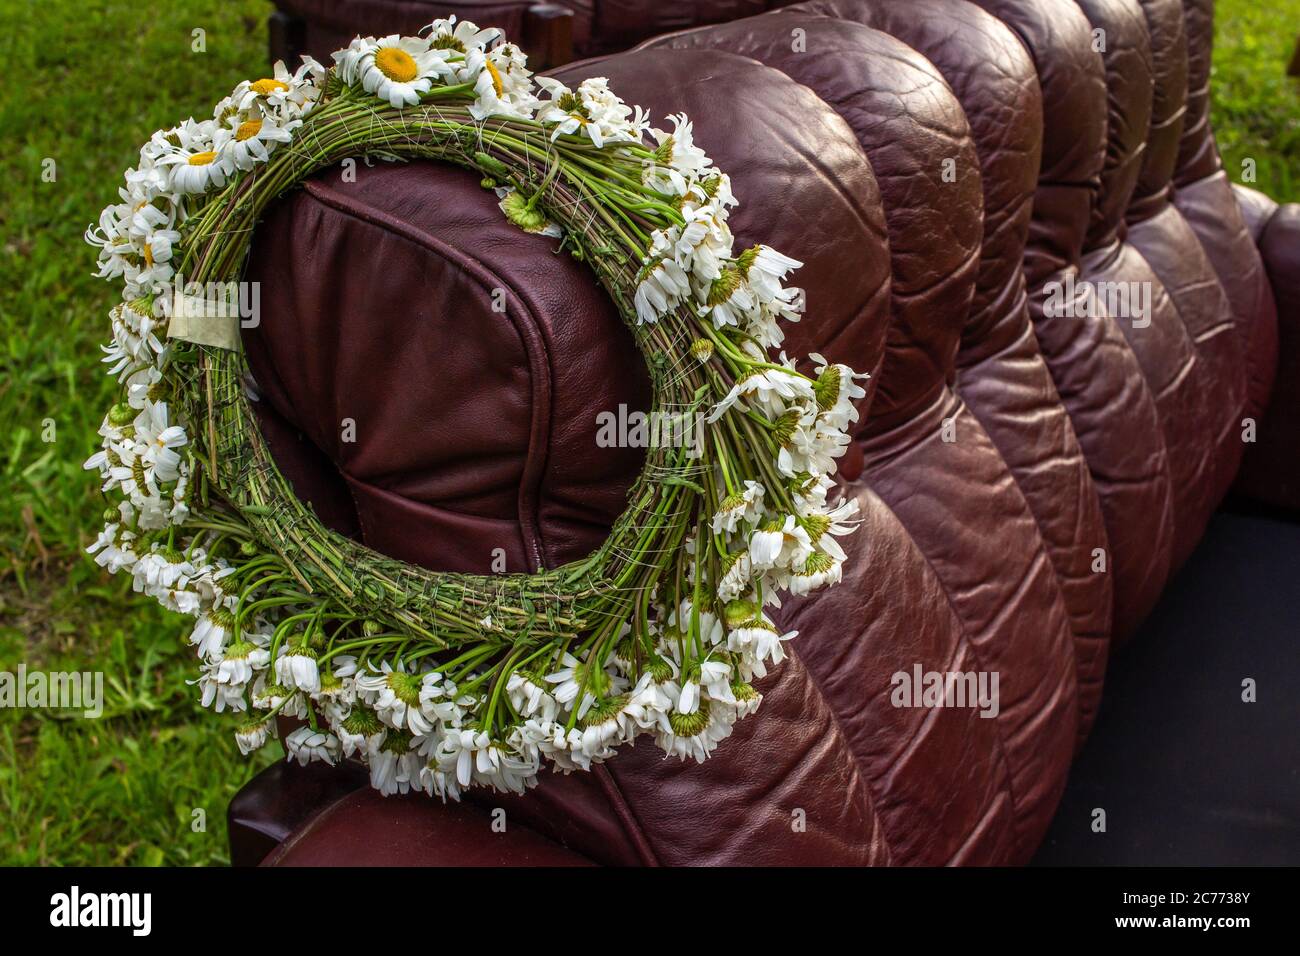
[678, 162]
[703, 247]
[307, 744]
[737, 576]
[219, 694]
[593, 110]
[199, 164]
[394, 766]
[663, 283]
[395, 696]
[575, 677]
[360, 732]
[772, 391]
[781, 542]
[529, 697]
[284, 95]
[503, 85]
[449, 37]
[254, 135]
[347, 62]
[158, 440]
[252, 736]
[695, 734]
[754, 639]
[270, 696]
[739, 507]
[837, 392]
[811, 447]
[239, 663]
[398, 69]
[818, 570]
[212, 631]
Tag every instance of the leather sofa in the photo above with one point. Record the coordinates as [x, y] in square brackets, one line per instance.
[551, 33]
[974, 188]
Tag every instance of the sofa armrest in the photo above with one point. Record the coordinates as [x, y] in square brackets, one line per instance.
[1270, 472]
[364, 828]
[279, 800]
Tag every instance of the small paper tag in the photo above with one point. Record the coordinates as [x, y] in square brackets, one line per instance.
[205, 321]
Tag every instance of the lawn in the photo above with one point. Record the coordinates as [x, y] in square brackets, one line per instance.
[88, 79]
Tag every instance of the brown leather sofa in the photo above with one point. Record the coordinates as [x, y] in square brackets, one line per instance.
[1030, 477]
[551, 33]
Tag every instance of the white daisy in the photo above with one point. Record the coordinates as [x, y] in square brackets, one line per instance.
[359, 732]
[212, 631]
[679, 162]
[201, 167]
[398, 69]
[296, 669]
[739, 508]
[159, 441]
[252, 736]
[452, 38]
[771, 390]
[395, 696]
[503, 85]
[306, 744]
[593, 110]
[837, 391]
[254, 135]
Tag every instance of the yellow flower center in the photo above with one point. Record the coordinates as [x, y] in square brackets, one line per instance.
[496, 77]
[248, 129]
[267, 87]
[396, 64]
[148, 255]
[202, 159]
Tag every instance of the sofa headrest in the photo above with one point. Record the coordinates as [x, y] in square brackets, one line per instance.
[1072, 80]
[915, 136]
[804, 185]
[992, 76]
[1121, 35]
[1198, 156]
[1168, 108]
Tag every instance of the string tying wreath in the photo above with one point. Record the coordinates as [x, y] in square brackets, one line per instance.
[444, 681]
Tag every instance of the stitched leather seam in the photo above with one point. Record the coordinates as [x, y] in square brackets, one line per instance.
[998, 728]
[627, 817]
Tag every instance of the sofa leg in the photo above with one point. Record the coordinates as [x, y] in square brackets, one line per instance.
[548, 35]
[286, 37]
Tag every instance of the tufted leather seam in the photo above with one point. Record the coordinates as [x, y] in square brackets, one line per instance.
[976, 655]
[865, 781]
[530, 337]
[969, 368]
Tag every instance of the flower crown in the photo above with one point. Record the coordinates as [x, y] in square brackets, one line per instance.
[445, 681]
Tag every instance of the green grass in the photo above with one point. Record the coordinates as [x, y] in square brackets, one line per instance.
[1255, 106]
[87, 80]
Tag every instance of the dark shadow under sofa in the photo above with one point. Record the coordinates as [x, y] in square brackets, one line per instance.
[946, 170]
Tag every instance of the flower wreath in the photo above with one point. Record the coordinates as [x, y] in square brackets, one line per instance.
[444, 681]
